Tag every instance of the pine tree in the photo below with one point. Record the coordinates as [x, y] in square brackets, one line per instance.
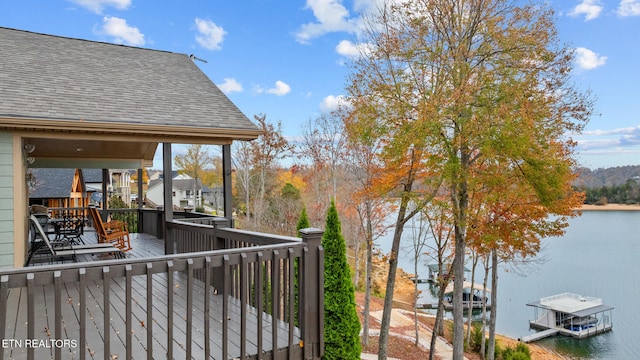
[341, 323]
[303, 222]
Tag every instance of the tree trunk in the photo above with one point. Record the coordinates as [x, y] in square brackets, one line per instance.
[391, 279]
[439, 322]
[415, 298]
[460, 201]
[484, 308]
[367, 291]
[470, 309]
[494, 304]
[356, 262]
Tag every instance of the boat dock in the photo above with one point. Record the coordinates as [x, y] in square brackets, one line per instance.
[539, 335]
[571, 315]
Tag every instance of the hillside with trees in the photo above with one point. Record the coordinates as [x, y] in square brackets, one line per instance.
[615, 185]
[613, 176]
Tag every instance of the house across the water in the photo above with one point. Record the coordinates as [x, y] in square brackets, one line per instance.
[571, 315]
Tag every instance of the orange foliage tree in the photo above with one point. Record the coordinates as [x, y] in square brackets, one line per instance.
[459, 89]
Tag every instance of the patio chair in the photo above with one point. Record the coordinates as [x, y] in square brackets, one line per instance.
[61, 252]
[115, 232]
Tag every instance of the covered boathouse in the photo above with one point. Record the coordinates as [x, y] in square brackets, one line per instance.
[571, 315]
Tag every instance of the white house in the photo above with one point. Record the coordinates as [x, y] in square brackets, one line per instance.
[187, 193]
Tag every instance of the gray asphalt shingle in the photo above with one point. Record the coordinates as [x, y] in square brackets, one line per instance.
[52, 77]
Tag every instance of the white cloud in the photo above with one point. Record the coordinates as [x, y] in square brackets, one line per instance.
[629, 8]
[587, 59]
[331, 103]
[280, 89]
[210, 35]
[97, 6]
[609, 139]
[230, 85]
[122, 32]
[331, 16]
[628, 130]
[348, 49]
[591, 9]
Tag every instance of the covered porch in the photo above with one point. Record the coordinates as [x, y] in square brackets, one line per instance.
[201, 289]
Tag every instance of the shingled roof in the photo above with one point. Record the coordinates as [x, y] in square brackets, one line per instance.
[56, 183]
[56, 83]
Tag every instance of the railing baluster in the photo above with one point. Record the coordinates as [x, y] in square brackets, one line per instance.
[4, 293]
[129, 309]
[82, 292]
[31, 331]
[57, 312]
[170, 309]
[243, 304]
[258, 269]
[106, 286]
[149, 323]
[189, 306]
[292, 300]
[207, 307]
[275, 296]
[225, 306]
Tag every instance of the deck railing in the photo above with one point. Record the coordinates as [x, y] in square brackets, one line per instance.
[241, 302]
[287, 294]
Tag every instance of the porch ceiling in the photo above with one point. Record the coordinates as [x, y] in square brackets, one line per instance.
[100, 153]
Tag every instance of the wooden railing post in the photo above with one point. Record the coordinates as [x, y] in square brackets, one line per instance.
[218, 244]
[312, 299]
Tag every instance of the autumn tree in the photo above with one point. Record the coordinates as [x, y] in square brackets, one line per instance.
[194, 163]
[509, 220]
[372, 208]
[256, 165]
[468, 82]
[323, 144]
[145, 176]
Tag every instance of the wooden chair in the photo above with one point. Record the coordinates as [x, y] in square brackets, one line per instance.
[115, 232]
[63, 252]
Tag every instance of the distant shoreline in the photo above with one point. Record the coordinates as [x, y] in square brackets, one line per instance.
[609, 207]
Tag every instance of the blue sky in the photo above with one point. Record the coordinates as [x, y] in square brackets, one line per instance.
[286, 58]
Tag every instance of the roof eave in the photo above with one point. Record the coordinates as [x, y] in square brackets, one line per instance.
[162, 133]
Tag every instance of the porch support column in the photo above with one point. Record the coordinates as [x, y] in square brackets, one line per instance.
[226, 184]
[105, 192]
[140, 201]
[168, 198]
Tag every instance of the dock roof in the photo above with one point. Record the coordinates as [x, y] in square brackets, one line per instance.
[573, 304]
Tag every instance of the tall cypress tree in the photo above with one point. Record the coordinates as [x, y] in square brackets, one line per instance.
[341, 323]
[303, 222]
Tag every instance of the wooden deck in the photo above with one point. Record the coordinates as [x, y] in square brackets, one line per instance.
[170, 325]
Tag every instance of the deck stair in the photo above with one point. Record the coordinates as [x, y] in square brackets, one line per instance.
[539, 335]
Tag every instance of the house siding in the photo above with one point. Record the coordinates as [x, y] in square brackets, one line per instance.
[6, 201]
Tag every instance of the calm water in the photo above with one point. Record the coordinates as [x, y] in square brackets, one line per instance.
[599, 256]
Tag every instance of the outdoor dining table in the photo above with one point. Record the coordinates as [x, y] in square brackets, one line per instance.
[68, 223]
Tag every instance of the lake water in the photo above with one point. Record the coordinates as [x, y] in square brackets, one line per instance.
[599, 256]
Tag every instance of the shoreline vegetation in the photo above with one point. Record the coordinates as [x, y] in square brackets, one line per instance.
[609, 207]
